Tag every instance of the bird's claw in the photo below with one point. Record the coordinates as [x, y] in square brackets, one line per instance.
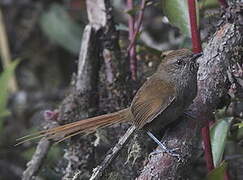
[171, 152]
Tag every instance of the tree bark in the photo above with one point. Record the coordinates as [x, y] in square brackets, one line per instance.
[220, 54]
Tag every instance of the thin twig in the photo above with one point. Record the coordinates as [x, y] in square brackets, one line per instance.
[132, 51]
[130, 19]
[42, 149]
[34, 165]
[99, 170]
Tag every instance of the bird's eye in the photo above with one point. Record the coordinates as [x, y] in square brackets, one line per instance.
[179, 62]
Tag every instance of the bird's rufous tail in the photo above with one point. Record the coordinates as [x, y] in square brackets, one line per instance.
[84, 126]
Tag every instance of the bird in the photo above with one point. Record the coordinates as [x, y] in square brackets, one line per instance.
[162, 98]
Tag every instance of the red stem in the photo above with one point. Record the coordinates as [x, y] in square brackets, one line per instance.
[196, 41]
[226, 175]
[130, 18]
[132, 51]
[223, 3]
[207, 147]
[196, 45]
[138, 24]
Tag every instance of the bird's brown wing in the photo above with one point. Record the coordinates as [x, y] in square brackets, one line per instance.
[151, 99]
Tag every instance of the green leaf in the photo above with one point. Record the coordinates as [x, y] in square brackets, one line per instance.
[61, 29]
[217, 173]
[218, 135]
[5, 76]
[240, 125]
[178, 15]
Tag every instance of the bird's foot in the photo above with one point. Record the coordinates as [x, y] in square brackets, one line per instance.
[171, 152]
[164, 149]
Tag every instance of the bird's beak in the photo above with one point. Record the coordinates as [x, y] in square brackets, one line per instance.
[197, 55]
[194, 61]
